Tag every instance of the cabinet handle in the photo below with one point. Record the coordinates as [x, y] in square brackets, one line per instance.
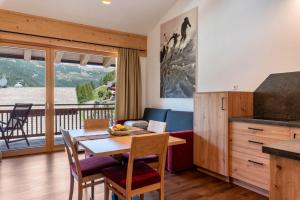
[251, 141]
[257, 163]
[223, 98]
[295, 135]
[255, 129]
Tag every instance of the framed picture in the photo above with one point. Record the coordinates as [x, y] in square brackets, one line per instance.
[178, 56]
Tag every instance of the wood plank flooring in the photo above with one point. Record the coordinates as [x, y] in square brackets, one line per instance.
[46, 176]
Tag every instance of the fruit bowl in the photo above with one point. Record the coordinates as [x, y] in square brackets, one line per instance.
[121, 130]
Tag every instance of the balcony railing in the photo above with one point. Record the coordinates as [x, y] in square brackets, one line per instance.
[67, 116]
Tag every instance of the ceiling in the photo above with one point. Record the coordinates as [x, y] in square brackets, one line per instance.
[133, 16]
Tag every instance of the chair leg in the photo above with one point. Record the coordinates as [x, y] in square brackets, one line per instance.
[71, 187]
[141, 196]
[92, 191]
[161, 194]
[106, 191]
[25, 137]
[80, 190]
[128, 196]
[6, 142]
[5, 139]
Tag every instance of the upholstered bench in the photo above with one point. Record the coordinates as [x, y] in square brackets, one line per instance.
[179, 124]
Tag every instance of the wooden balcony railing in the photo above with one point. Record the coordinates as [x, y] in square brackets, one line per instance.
[67, 116]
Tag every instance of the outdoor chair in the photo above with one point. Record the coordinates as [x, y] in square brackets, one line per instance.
[18, 118]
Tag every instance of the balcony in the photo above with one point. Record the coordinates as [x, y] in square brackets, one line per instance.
[67, 116]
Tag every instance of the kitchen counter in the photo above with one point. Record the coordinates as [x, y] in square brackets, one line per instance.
[288, 149]
[292, 123]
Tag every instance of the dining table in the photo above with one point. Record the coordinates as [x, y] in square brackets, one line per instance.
[100, 142]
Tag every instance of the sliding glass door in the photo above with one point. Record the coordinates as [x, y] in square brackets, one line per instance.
[64, 88]
[22, 98]
[84, 89]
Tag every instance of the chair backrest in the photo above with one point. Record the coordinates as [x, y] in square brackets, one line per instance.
[143, 145]
[71, 149]
[156, 126]
[19, 116]
[91, 124]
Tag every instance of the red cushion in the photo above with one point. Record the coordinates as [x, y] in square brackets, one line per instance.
[180, 157]
[142, 175]
[95, 165]
[146, 159]
[88, 153]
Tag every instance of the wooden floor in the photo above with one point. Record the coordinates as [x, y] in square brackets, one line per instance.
[43, 177]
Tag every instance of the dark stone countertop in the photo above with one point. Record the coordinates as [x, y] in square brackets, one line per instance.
[292, 123]
[288, 149]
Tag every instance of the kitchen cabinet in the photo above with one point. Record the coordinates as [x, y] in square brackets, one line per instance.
[247, 162]
[211, 113]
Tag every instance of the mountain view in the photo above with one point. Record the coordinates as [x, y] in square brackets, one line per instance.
[90, 82]
[32, 74]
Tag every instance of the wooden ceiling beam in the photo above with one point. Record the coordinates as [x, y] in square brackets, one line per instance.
[62, 45]
[27, 54]
[20, 39]
[84, 59]
[58, 57]
[14, 22]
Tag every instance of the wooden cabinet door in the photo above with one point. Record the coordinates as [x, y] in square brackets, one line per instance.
[211, 128]
[285, 179]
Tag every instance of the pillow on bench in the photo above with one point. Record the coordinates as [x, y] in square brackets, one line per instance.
[137, 123]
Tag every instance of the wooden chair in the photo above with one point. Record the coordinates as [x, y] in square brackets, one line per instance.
[92, 124]
[138, 178]
[156, 126]
[87, 172]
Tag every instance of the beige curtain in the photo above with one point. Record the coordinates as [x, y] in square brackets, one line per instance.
[128, 86]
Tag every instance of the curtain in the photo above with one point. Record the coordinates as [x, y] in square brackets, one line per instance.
[128, 86]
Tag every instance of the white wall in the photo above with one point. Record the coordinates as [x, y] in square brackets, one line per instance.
[240, 42]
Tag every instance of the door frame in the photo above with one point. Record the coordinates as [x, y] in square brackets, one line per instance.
[49, 87]
[49, 103]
